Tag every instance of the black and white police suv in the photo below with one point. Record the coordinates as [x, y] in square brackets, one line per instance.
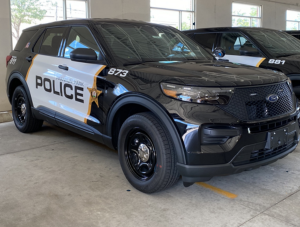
[258, 47]
[166, 104]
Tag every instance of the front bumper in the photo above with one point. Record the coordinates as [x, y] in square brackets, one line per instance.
[191, 174]
[252, 151]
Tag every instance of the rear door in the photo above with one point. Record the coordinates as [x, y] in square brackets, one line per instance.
[60, 84]
[239, 49]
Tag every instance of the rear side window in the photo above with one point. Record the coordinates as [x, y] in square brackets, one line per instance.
[52, 41]
[207, 40]
[37, 46]
[24, 39]
[80, 37]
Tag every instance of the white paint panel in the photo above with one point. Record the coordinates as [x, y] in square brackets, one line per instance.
[79, 74]
[252, 61]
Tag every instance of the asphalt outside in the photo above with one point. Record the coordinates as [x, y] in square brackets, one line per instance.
[57, 178]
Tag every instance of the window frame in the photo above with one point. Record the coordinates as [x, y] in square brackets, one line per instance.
[294, 21]
[250, 17]
[180, 13]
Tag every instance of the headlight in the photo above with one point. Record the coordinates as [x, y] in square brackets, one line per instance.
[206, 95]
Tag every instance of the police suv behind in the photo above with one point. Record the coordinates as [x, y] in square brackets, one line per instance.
[153, 94]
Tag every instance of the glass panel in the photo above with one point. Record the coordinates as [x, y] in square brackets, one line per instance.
[277, 43]
[187, 21]
[80, 37]
[255, 22]
[25, 14]
[293, 15]
[236, 44]
[52, 41]
[206, 40]
[76, 9]
[165, 17]
[292, 25]
[240, 22]
[173, 4]
[246, 10]
[139, 43]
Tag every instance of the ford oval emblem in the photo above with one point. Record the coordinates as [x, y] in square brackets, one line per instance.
[272, 98]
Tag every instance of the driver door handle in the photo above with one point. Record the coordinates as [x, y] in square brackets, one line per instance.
[63, 67]
[29, 59]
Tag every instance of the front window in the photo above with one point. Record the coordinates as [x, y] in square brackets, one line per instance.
[277, 43]
[292, 20]
[244, 15]
[139, 43]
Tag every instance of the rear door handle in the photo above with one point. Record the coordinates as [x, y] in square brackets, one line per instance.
[63, 67]
[29, 59]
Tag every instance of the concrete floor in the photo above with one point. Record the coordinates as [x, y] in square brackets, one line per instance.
[56, 178]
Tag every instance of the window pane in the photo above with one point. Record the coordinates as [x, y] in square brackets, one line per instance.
[80, 37]
[165, 17]
[236, 44]
[24, 39]
[187, 21]
[52, 41]
[173, 4]
[206, 40]
[293, 15]
[76, 9]
[240, 22]
[33, 13]
[246, 10]
[255, 22]
[292, 25]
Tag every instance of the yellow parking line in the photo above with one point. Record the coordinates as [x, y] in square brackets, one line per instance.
[217, 190]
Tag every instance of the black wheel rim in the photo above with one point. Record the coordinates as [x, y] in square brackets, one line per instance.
[140, 155]
[20, 109]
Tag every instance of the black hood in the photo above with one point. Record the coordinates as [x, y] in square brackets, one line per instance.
[208, 73]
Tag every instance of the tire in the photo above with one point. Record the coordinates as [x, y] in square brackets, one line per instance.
[157, 161]
[21, 110]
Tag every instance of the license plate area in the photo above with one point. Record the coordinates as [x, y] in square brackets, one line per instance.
[277, 138]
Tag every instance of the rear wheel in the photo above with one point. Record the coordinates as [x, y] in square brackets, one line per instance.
[146, 153]
[21, 110]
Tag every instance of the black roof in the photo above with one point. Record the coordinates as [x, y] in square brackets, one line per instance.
[293, 32]
[86, 21]
[223, 29]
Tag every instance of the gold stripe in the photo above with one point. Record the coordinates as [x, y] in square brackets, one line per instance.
[94, 84]
[30, 67]
[261, 61]
[217, 190]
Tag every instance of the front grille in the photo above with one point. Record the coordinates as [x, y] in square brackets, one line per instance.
[263, 154]
[250, 104]
[271, 125]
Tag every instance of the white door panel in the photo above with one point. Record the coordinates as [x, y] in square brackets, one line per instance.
[63, 91]
[247, 60]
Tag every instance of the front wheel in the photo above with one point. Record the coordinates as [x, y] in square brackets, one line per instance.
[147, 154]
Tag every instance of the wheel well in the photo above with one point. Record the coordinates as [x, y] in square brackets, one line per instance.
[12, 86]
[120, 117]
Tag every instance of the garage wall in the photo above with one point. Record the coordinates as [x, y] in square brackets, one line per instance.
[5, 41]
[217, 13]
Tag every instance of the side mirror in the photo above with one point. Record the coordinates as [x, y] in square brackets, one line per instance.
[253, 52]
[219, 52]
[83, 55]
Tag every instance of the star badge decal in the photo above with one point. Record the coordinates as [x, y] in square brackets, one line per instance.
[94, 95]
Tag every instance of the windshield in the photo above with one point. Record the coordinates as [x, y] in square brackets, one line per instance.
[277, 43]
[134, 43]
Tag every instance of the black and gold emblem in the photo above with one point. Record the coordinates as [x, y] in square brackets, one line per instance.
[94, 95]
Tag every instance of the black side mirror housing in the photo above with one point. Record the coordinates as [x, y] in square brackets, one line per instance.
[219, 52]
[85, 55]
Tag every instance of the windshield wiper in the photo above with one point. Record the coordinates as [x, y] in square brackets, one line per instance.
[137, 63]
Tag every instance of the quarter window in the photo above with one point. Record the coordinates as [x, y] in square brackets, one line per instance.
[52, 42]
[244, 15]
[292, 20]
[80, 37]
[236, 44]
